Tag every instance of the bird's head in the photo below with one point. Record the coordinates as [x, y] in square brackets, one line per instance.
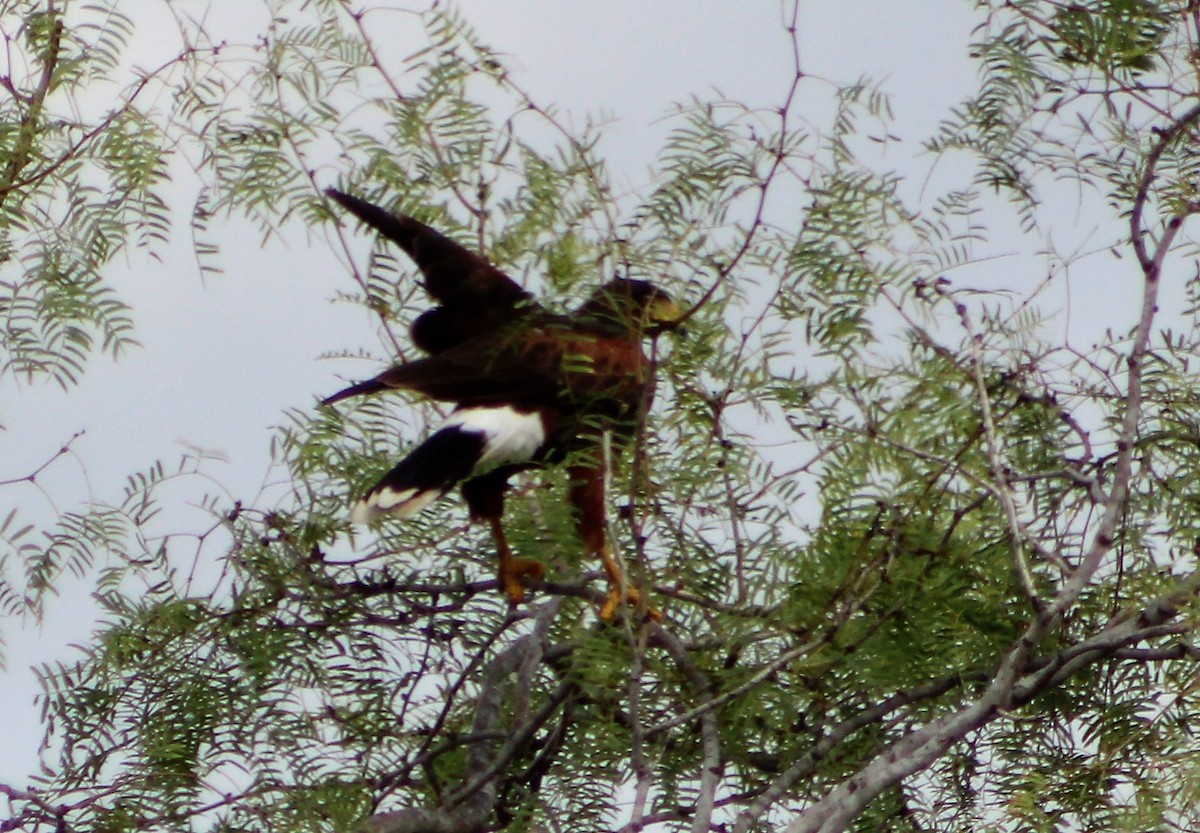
[634, 306]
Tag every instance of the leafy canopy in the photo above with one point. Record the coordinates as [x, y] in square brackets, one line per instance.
[926, 563]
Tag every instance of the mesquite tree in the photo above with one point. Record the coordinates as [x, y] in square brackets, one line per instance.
[924, 562]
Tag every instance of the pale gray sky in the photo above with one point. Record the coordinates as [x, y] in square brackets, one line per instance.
[222, 358]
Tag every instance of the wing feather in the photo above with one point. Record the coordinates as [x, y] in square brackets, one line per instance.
[549, 364]
[474, 296]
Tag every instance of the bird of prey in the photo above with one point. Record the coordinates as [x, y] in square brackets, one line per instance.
[530, 388]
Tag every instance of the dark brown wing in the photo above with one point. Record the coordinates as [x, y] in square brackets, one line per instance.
[512, 364]
[474, 296]
[552, 362]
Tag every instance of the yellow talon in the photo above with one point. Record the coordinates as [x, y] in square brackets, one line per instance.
[616, 600]
[512, 570]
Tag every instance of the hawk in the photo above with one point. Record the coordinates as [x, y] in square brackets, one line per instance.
[530, 387]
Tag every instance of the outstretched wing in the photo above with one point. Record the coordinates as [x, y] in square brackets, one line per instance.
[474, 296]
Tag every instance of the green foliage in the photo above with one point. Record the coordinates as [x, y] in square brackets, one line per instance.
[77, 187]
[1114, 36]
[876, 496]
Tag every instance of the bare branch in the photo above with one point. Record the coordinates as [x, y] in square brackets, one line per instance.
[1151, 263]
[711, 768]
[469, 807]
[807, 763]
[1009, 687]
[32, 476]
[1001, 489]
[1114, 505]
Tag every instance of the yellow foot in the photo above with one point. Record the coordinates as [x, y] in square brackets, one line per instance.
[616, 601]
[512, 570]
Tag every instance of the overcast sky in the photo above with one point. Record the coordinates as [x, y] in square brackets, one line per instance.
[223, 357]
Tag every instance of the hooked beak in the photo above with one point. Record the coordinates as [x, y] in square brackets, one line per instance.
[664, 315]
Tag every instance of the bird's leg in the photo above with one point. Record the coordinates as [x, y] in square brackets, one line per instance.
[512, 568]
[587, 496]
[485, 502]
[619, 591]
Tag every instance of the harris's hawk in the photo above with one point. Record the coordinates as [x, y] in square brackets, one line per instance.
[530, 386]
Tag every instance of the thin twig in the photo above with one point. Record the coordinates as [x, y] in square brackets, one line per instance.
[1001, 490]
[32, 476]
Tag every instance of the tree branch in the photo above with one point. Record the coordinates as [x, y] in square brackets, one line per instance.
[807, 763]
[711, 768]
[1114, 505]
[1001, 489]
[1010, 687]
[27, 135]
[468, 808]
[1152, 263]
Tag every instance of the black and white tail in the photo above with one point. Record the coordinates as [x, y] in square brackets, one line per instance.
[472, 442]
